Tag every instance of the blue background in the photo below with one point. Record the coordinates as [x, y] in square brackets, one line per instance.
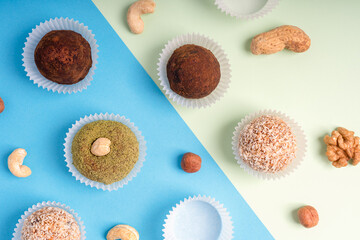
[37, 120]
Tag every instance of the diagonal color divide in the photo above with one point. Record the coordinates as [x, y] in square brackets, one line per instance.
[38, 120]
[303, 86]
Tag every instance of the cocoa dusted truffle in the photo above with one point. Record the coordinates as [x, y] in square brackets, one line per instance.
[63, 56]
[193, 71]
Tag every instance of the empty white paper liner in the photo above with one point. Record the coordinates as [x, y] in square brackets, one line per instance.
[198, 218]
[246, 9]
[300, 143]
[96, 117]
[218, 52]
[32, 41]
[34, 208]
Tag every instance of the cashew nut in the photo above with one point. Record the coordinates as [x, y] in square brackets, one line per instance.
[136, 24]
[123, 232]
[15, 161]
[101, 147]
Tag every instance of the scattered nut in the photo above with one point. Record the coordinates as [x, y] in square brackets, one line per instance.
[308, 216]
[275, 40]
[136, 24]
[342, 146]
[2, 105]
[191, 162]
[123, 232]
[15, 161]
[101, 147]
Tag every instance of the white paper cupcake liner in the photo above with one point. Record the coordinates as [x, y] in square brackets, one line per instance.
[33, 40]
[88, 119]
[198, 218]
[218, 52]
[34, 208]
[301, 144]
[251, 8]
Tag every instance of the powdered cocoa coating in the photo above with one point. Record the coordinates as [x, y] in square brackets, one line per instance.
[193, 71]
[63, 56]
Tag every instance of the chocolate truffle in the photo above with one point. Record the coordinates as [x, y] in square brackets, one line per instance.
[193, 71]
[63, 56]
[50, 223]
[115, 165]
[267, 144]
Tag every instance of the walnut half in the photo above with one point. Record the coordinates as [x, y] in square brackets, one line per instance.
[342, 146]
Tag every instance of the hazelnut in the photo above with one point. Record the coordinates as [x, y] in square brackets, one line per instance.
[191, 162]
[101, 147]
[2, 105]
[308, 216]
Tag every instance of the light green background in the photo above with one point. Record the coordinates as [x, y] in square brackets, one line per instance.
[318, 88]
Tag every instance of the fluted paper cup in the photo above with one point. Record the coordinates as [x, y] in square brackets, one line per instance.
[34, 208]
[96, 117]
[198, 218]
[218, 52]
[246, 9]
[301, 145]
[32, 41]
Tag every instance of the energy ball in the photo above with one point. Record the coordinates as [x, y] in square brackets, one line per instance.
[117, 163]
[63, 56]
[193, 71]
[267, 144]
[50, 223]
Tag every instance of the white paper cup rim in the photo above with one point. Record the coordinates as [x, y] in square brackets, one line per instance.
[207, 43]
[301, 143]
[35, 207]
[231, 10]
[226, 228]
[96, 117]
[32, 41]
